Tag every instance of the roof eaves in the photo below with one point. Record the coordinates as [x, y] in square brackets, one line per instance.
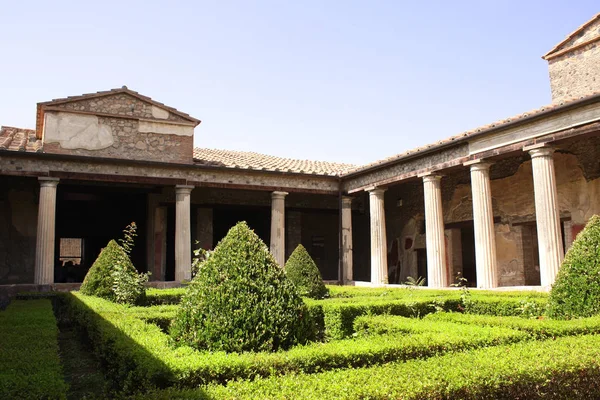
[499, 125]
[571, 36]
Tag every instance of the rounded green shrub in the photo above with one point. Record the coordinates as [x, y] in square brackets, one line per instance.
[303, 272]
[113, 277]
[576, 292]
[241, 300]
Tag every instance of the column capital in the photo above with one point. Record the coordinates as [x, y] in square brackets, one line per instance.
[48, 181]
[278, 195]
[376, 191]
[185, 189]
[347, 201]
[478, 165]
[539, 150]
[430, 177]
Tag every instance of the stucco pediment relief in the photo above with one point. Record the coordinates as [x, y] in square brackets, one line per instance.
[76, 131]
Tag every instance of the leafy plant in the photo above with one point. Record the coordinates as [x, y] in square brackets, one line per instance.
[241, 300]
[411, 281]
[303, 272]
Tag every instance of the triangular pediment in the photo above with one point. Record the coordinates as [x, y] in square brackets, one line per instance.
[585, 34]
[121, 102]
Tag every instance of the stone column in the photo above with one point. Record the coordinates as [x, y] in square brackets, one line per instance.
[183, 237]
[347, 238]
[46, 231]
[379, 270]
[437, 269]
[278, 226]
[483, 224]
[546, 213]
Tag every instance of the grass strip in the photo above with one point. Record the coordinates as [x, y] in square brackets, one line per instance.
[29, 361]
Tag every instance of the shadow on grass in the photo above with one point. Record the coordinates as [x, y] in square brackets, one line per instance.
[130, 369]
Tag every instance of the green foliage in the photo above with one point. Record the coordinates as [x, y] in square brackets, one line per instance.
[241, 300]
[542, 328]
[139, 356]
[29, 362]
[113, 276]
[566, 368]
[576, 292]
[411, 281]
[200, 255]
[164, 296]
[303, 272]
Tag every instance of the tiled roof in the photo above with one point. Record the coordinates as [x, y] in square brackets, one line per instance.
[262, 162]
[539, 112]
[123, 89]
[17, 139]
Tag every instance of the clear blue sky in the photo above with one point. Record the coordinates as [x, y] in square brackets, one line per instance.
[351, 81]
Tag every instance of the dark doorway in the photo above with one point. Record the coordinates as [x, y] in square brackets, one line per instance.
[467, 237]
[87, 218]
[257, 218]
[422, 264]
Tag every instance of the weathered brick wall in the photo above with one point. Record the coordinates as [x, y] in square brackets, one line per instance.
[131, 144]
[576, 72]
[139, 130]
[18, 226]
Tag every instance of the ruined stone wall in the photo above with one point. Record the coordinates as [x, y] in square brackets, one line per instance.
[118, 126]
[122, 104]
[125, 141]
[404, 225]
[576, 73]
[18, 225]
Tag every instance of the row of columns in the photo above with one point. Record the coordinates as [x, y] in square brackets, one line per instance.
[46, 228]
[547, 219]
[547, 216]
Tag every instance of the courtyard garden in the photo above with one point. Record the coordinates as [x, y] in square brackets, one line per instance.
[245, 328]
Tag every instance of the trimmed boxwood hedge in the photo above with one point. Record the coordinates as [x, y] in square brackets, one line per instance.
[100, 279]
[241, 300]
[576, 292]
[304, 274]
[29, 361]
[566, 368]
[139, 355]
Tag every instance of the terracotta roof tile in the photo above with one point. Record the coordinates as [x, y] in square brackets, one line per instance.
[482, 129]
[263, 162]
[17, 139]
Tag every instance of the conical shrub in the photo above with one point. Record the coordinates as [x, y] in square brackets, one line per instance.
[576, 292]
[241, 300]
[304, 273]
[99, 280]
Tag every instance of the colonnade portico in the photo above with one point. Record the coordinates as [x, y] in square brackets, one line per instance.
[379, 267]
[434, 243]
[547, 212]
[486, 261]
[437, 267]
[44, 250]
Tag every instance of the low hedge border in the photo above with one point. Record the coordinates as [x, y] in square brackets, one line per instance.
[565, 368]
[140, 357]
[29, 361]
[538, 328]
